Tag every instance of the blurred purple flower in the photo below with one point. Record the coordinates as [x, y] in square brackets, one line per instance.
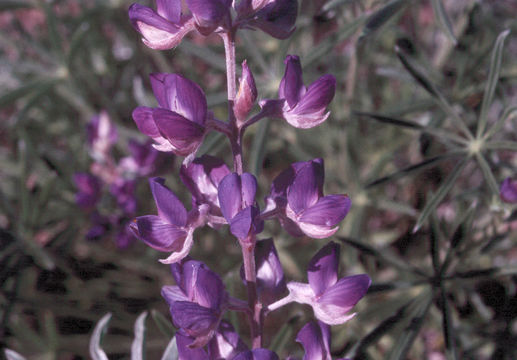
[99, 226]
[270, 274]
[164, 28]
[178, 124]
[237, 199]
[197, 302]
[172, 230]
[202, 177]
[508, 191]
[298, 193]
[330, 298]
[123, 191]
[315, 339]
[142, 159]
[247, 94]
[102, 134]
[275, 17]
[302, 107]
[89, 190]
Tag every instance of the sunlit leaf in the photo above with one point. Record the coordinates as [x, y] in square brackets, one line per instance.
[137, 347]
[13, 355]
[493, 77]
[171, 352]
[96, 351]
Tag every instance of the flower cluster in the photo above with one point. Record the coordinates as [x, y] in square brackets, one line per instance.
[116, 178]
[224, 197]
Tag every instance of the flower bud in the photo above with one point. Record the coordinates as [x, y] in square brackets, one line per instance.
[247, 94]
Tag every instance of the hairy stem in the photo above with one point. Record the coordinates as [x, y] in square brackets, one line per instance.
[248, 257]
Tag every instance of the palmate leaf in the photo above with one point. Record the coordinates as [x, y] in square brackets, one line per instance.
[381, 16]
[411, 169]
[418, 73]
[447, 326]
[440, 194]
[407, 337]
[487, 174]
[493, 77]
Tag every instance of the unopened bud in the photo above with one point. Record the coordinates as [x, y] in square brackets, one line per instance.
[247, 94]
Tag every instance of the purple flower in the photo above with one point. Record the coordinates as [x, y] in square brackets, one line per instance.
[124, 192]
[164, 28]
[89, 190]
[102, 134]
[247, 94]
[237, 199]
[172, 230]
[298, 191]
[508, 191]
[270, 275]
[302, 107]
[202, 178]
[275, 17]
[142, 158]
[257, 354]
[178, 124]
[226, 343]
[197, 302]
[315, 339]
[209, 14]
[330, 298]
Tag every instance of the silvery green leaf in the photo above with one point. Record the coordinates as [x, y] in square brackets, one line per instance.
[96, 351]
[443, 20]
[13, 355]
[171, 352]
[493, 77]
[137, 347]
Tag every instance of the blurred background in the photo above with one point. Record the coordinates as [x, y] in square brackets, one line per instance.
[427, 222]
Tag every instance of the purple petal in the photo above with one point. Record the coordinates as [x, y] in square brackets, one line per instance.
[186, 350]
[186, 98]
[176, 128]
[270, 275]
[169, 206]
[328, 211]
[323, 268]
[157, 32]
[202, 178]
[196, 320]
[346, 292]
[277, 18]
[508, 191]
[291, 87]
[257, 354]
[241, 223]
[159, 90]
[143, 117]
[209, 289]
[249, 189]
[172, 294]
[158, 234]
[318, 96]
[307, 186]
[315, 340]
[169, 9]
[208, 13]
[230, 197]
[188, 278]
[226, 343]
